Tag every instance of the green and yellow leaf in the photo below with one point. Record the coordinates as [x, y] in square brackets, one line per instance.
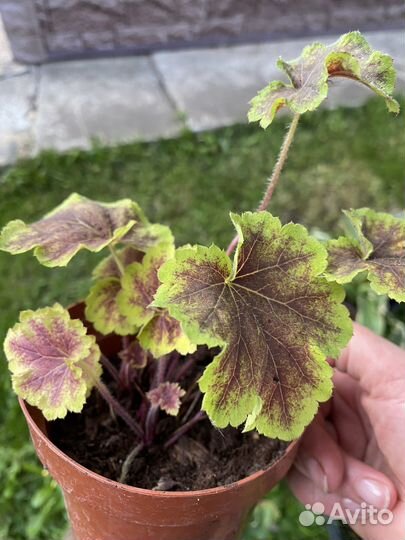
[147, 235]
[103, 311]
[377, 246]
[351, 57]
[53, 362]
[164, 334]
[81, 223]
[160, 333]
[78, 223]
[274, 316]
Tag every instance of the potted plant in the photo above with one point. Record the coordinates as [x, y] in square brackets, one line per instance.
[174, 349]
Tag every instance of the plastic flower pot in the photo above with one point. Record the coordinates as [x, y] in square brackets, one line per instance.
[101, 509]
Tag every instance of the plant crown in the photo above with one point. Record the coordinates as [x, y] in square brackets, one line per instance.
[269, 315]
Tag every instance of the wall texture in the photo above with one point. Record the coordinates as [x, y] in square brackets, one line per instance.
[40, 30]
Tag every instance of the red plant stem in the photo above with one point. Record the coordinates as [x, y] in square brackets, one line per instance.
[153, 413]
[150, 424]
[232, 245]
[182, 430]
[112, 370]
[282, 158]
[124, 377]
[183, 369]
[161, 369]
[138, 387]
[191, 407]
[119, 409]
[275, 175]
[174, 362]
[125, 368]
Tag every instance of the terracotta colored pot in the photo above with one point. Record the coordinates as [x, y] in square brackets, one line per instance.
[101, 509]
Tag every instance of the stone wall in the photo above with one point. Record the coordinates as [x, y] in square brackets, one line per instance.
[40, 30]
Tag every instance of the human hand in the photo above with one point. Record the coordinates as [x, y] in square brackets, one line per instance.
[354, 451]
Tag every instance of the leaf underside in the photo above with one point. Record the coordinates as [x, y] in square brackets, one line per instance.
[351, 57]
[53, 362]
[273, 316]
[376, 246]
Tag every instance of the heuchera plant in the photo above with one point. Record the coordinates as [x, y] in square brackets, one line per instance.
[273, 311]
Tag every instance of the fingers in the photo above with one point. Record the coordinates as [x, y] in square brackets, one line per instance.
[361, 487]
[394, 530]
[363, 483]
[346, 416]
[366, 525]
[370, 359]
[319, 457]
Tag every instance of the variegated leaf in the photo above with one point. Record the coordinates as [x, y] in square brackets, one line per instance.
[351, 57]
[167, 396]
[76, 224]
[81, 223]
[160, 333]
[102, 309]
[376, 246]
[273, 316]
[53, 362]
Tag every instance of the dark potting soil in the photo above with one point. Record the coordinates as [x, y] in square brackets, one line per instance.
[205, 457]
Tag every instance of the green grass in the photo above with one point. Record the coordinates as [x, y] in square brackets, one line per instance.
[340, 159]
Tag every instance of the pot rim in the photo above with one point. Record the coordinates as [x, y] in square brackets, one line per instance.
[142, 491]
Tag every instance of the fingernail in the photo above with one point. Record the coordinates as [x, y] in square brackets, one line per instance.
[310, 468]
[373, 493]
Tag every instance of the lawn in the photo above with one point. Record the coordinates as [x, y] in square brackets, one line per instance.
[340, 159]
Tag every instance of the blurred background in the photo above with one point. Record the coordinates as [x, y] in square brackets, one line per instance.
[148, 100]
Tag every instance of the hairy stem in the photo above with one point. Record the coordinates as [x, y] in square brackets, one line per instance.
[182, 430]
[275, 175]
[117, 260]
[128, 462]
[153, 412]
[282, 158]
[118, 409]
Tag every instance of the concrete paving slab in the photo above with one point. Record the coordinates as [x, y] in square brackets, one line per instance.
[115, 100]
[212, 87]
[16, 104]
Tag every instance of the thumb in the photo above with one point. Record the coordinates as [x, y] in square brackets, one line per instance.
[371, 359]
